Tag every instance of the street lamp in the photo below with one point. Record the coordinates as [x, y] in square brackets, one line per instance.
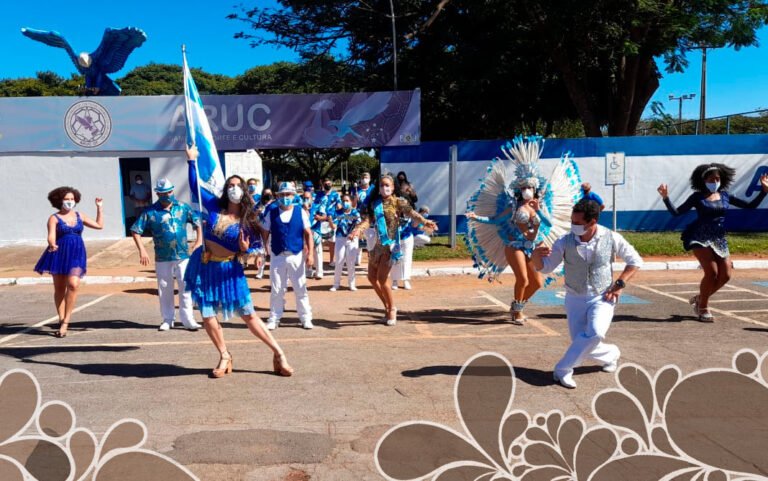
[394, 39]
[680, 107]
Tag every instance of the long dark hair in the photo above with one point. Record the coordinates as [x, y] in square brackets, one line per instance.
[247, 212]
[698, 182]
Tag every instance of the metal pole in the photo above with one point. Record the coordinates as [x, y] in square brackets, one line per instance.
[614, 207]
[452, 166]
[728, 125]
[703, 98]
[394, 39]
[680, 115]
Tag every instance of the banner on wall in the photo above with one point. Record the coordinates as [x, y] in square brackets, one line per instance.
[238, 122]
[646, 163]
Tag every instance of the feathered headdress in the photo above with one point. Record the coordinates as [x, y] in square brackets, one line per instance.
[524, 154]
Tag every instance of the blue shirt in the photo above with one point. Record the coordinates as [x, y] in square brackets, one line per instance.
[595, 197]
[346, 221]
[140, 192]
[329, 200]
[169, 230]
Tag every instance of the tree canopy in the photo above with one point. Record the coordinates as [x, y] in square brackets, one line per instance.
[497, 67]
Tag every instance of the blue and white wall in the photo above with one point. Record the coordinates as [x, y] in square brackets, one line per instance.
[650, 161]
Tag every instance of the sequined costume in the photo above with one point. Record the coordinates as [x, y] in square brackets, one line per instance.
[70, 258]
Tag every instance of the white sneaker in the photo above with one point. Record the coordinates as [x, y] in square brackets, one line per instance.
[307, 324]
[407, 285]
[565, 381]
[165, 326]
[611, 366]
[352, 287]
[334, 289]
[272, 324]
[192, 326]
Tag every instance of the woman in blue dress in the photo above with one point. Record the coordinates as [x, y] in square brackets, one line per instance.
[705, 236]
[215, 275]
[65, 257]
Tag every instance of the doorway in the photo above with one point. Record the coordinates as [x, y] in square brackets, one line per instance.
[136, 184]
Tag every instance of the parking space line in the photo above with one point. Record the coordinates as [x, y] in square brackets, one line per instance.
[712, 309]
[751, 310]
[532, 322]
[736, 300]
[52, 319]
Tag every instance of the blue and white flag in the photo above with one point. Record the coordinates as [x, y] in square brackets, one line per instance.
[209, 173]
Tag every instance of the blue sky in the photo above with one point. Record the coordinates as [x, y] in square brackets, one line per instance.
[736, 81]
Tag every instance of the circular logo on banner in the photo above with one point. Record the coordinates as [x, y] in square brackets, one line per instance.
[88, 124]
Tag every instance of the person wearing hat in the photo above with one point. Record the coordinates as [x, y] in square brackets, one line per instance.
[705, 236]
[287, 229]
[167, 220]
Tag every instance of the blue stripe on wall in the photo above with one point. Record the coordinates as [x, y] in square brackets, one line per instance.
[737, 220]
[476, 150]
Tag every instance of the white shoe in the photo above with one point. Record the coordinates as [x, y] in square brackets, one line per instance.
[391, 322]
[407, 285]
[352, 287]
[307, 324]
[565, 381]
[394, 285]
[192, 326]
[272, 324]
[332, 264]
[165, 326]
[611, 366]
[334, 289]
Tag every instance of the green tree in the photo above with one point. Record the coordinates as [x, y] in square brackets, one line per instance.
[317, 75]
[165, 79]
[44, 84]
[303, 164]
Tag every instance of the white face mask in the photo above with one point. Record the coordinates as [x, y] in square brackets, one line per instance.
[235, 194]
[578, 230]
[139, 182]
[365, 181]
[68, 204]
[527, 194]
[713, 186]
[386, 190]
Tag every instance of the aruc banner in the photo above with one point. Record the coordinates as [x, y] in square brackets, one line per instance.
[238, 122]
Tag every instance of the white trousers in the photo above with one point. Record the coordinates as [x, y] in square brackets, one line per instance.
[589, 318]
[402, 271]
[282, 269]
[318, 270]
[165, 272]
[346, 253]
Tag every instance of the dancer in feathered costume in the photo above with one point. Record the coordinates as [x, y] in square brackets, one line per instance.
[507, 219]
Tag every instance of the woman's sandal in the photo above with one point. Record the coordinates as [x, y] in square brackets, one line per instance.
[224, 367]
[705, 315]
[61, 334]
[392, 317]
[517, 321]
[280, 363]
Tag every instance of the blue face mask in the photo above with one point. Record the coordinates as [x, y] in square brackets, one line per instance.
[425, 215]
[285, 201]
[347, 206]
[713, 186]
[251, 189]
[167, 199]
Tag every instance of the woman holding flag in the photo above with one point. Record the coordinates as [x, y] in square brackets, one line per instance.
[215, 275]
[384, 211]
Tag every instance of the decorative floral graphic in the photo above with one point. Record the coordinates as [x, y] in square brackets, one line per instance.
[710, 425]
[41, 442]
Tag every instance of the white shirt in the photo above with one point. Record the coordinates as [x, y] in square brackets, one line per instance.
[586, 250]
[285, 216]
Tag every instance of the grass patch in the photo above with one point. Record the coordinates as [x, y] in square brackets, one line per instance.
[646, 243]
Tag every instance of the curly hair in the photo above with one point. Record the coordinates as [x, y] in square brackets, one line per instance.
[698, 177]
[56, 196]
[247, 206]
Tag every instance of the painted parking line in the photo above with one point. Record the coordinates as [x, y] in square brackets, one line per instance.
[555, 298]
[51, 319]
[724, 312]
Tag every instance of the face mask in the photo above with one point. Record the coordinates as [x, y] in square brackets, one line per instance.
[327, 186]
[68, 204]
[527, 194]
[365, 181]
[235, 194]
[578, 230]
[307, 202]
[425, 215]
[386, 191]
[266, 198]
[139, 182]
[401, 179]
[347, 205]
[166, 199]
[251, 189]
[713, 186]
[285, 201]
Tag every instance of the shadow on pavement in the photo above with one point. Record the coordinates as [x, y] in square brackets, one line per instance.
[756, 329]
[139, 370]
[24, 353]
[533, 377]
